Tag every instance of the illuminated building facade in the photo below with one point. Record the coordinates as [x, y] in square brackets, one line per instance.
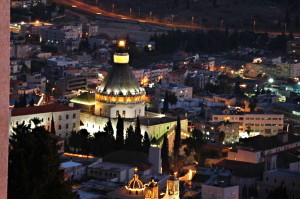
[120, 93]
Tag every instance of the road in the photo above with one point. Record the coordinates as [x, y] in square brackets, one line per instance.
[75, 4]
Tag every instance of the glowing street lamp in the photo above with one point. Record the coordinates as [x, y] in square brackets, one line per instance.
[271, 80]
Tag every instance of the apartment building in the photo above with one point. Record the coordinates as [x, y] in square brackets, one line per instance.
[266, 124]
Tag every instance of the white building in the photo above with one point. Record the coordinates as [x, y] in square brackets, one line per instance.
[73, 170]
[108, 171]
[65, 118]
[180, 91]
[261, 123]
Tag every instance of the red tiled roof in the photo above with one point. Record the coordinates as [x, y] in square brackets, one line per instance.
[41, 109]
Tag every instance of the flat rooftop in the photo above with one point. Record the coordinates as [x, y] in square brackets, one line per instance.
[109, 166]
[284, 173]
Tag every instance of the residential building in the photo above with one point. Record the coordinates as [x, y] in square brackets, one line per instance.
[258, 123]
[68, 84]
[178, 77]
[90, 30]
[211, 130]
[37, 79]
[180, 91]
[293, 47]
[73, 170]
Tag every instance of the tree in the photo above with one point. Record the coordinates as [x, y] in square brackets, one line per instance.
[166, 102]
[109, 128]
[120, 133]
[146, 142]
[102, 143]
[36, 121]
[253, 103]
[165, 164]
[31, 103]
[172, 98]
[177, 139]
[34, 165]
[129, 138]
[137, 136]
[80, 141]
[221, 137]
[278, 193]
[52, 126]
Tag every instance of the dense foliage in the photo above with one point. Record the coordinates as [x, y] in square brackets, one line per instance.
[34, 165]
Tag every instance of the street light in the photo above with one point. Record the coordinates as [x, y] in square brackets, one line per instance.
[193, 21]
[172, 18]
[254, 23]
[271, 80]
[150, 14]
[112, 7]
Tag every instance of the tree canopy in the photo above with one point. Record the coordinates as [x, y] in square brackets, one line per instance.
[34, 166]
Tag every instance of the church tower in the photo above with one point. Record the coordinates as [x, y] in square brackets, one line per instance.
[172, 191]
[151, 190]
[4, 94]
[120, 93]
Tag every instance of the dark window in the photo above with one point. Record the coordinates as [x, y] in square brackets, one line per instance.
[74, 115]
[67, 116]
[67, 126]
[59, 127]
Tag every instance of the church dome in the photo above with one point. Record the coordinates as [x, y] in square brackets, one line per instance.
[120, 81]
[135, 186]
[135, 183]
[120, 94]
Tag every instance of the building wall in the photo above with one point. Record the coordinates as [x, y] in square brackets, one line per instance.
[63, 126]
[95, 123]
[209, 192]
[4, 94]
[273, 179]
[113, 110]
[266, 124]
[245, 156]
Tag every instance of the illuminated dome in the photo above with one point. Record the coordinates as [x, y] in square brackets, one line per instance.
[135, 186]
[120, 82]
[120, 93]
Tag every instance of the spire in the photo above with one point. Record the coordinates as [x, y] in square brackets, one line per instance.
[52, 126]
